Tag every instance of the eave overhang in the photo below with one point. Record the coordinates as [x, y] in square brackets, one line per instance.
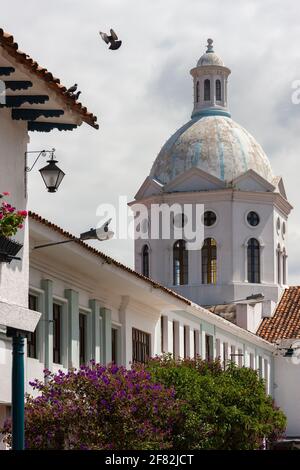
[34, 95]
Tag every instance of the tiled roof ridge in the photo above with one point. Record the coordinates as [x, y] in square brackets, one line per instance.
[285, 322]
[8, 42]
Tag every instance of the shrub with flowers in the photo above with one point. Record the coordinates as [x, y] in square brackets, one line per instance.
[168, 404]
[100, 407]
[11, 220]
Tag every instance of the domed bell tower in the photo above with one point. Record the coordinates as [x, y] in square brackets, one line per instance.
[210, 84]
[214, 162]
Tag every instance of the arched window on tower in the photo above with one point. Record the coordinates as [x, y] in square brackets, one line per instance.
[218, 90]
[145, 260]
[197, 92]
[253, 256]
[180, 263]
[206, 89]
[209, 261]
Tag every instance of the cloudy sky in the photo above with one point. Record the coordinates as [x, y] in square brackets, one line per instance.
[142, 93]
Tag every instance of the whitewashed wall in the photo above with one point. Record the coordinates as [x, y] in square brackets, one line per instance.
[127, 312]
[132, 303]
[231, 232]
[286, 392]
[13, 138]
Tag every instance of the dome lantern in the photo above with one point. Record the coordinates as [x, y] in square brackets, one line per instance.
[210, 84]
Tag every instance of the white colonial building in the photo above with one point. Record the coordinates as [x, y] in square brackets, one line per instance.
[93, 307]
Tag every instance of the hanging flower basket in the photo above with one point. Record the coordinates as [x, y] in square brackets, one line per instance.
[9, 248]
[11, 220]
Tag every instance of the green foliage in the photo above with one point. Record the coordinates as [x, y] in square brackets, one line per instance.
[182, 405]
[224, 410]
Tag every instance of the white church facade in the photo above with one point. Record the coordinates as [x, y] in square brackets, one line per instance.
[210, 301]
[213, 161]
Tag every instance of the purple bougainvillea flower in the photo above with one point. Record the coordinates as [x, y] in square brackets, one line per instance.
[98, 407]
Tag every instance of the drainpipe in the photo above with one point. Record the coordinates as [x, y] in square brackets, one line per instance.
[18, 434]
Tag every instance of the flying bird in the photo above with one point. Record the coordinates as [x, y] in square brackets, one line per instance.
[72, 89]
[113, 40]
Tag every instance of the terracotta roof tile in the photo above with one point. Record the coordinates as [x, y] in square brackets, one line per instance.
[108, 259]
[8, 43]
[285, 322]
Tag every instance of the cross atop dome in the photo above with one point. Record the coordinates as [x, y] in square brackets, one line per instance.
[210, 45]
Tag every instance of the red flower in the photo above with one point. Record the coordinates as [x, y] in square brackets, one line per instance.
[23, 213]
[10, 219]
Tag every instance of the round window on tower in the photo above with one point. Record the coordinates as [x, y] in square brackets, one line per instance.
[253, 218]
[209, 218]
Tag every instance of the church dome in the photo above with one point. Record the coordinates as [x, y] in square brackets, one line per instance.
[215, 144]
[211, 140]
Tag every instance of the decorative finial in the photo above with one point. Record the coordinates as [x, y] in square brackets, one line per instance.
[210, 45]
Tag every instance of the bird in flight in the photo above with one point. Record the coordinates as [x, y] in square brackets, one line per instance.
[113, 40]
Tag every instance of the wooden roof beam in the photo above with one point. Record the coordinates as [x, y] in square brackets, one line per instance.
[15, 101]
[5, 71]
[49, 126]
[33, 114]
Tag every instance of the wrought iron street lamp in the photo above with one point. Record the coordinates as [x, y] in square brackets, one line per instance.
[52, 175]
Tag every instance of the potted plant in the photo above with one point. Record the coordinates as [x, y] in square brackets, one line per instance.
[11, 220]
